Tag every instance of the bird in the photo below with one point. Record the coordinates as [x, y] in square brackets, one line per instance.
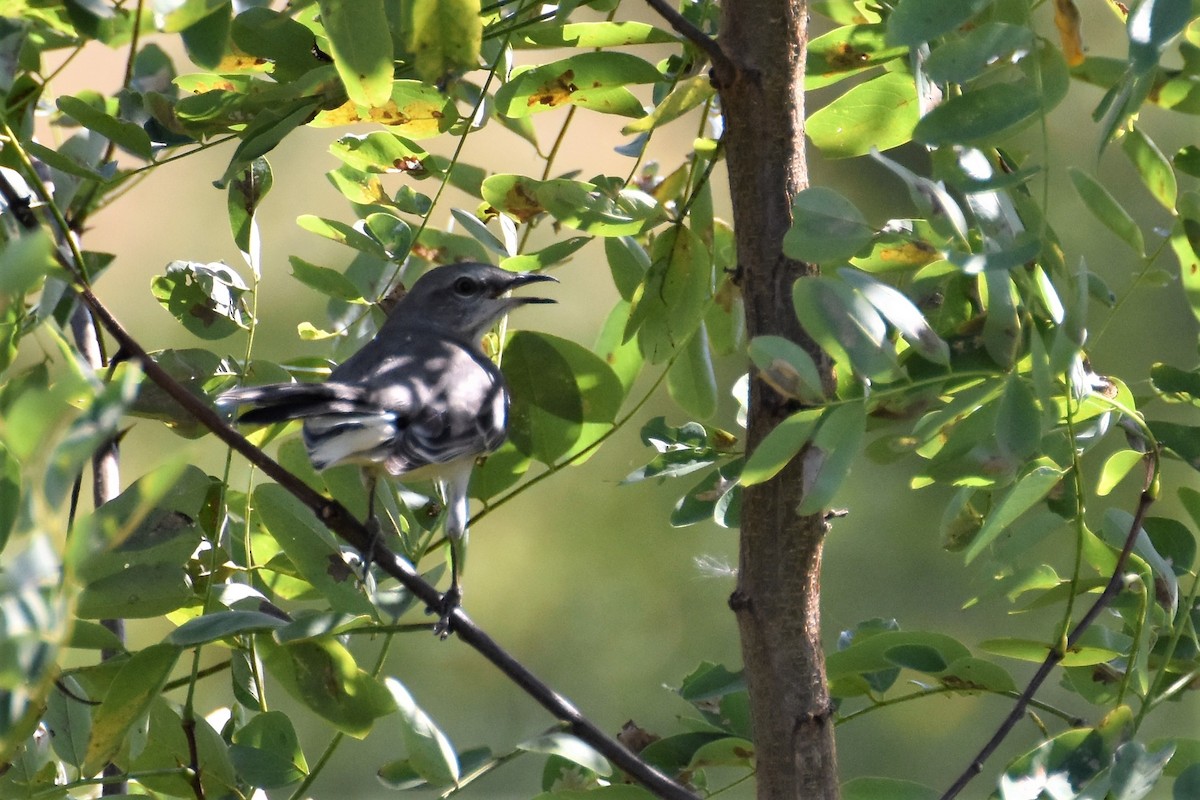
[419, 401]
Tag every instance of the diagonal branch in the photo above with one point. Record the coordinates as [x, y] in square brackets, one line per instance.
[339, 520]
[1056, 654]
[724, 70]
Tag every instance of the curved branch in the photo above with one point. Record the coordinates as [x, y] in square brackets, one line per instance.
[724, 70]
[338, 519]
[1056, 654]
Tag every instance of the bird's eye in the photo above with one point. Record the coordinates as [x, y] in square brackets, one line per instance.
[466, 286]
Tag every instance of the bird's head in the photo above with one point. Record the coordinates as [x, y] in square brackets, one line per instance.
[465, 299]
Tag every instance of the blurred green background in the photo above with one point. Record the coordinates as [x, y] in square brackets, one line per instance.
[582, 578]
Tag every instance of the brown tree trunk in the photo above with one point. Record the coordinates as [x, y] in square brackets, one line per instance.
[777, 600]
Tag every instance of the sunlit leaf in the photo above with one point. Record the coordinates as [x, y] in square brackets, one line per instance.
[1153, 167]
[594, 81]
[965, 57]
[321, 675]
[444, 37]
[880, 113]
[205, 298]
[779, 447]
[669, 305]
[429, 751]
[901, 313]
[846, 51]
[362, 48]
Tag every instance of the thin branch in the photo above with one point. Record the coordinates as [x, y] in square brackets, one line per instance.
[338, 519]
[724, 70]
[1056, 654]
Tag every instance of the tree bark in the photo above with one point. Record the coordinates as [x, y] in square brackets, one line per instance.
[777, 600]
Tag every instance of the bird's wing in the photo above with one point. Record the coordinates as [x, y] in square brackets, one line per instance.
[454, 400]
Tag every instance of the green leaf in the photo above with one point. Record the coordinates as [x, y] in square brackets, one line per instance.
[980, 115]
[590, 34]
[1151, 26]
[914, 22]
[444, 37]
[594, 81]
[328, 282]
[621, 354]
[548, 256]
[827, 461]
[1115, 468]
[1018, 420]
[1033, 485]
[322, 675]
[206, 298]
[124, 134]
[245, 193]
[880, 113]
[266, 751]
[886, 789]
[361, 44]
[691, 381]
[133, 689]
[1187, 785]
[962, 58]
[311, 548]
[572, 749]
[870, 653]
[686, 95]
[901, 313]
[582, 206]
[1135, 771]
[779, 446]
[25, 261]
[732, 751]
[415, 110]
[970, 674]
[845, 325]
[1035, 652]
[275, 37]
[1187, 160]
[429, 751]
[1153, 167]
[670, 303]
[825, 227]
[268, 128]
[846, 51]
[338, 232]
[563, 396]
[220, 625]
[787, 368]
[1106, 209]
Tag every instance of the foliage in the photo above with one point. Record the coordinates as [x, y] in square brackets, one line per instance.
[958, 334]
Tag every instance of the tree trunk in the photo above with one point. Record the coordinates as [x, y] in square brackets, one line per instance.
[777, 600]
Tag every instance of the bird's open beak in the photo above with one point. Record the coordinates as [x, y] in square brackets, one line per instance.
[520, 279]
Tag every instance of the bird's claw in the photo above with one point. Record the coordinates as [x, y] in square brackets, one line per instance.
[445, 624]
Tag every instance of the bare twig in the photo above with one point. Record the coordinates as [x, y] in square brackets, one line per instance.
[1056, 654]
[724, 70]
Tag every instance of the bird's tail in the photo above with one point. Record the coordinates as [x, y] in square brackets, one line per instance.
[280, 402]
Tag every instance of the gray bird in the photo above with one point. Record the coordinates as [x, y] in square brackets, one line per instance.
[420, 401]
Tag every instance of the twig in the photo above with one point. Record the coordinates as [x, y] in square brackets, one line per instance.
[339, 520]
[724, 70]
[1056, 654]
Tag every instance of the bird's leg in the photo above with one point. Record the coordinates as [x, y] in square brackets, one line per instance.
[374, 530]
[454, 494]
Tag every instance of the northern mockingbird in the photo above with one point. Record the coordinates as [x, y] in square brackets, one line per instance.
[420, 401]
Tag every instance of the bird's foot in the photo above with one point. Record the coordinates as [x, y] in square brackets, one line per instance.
[375, 531]
[450, 601]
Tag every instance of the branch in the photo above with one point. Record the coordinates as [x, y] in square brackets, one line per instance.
[724, 70]
[339, 520]
[1056, 654]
